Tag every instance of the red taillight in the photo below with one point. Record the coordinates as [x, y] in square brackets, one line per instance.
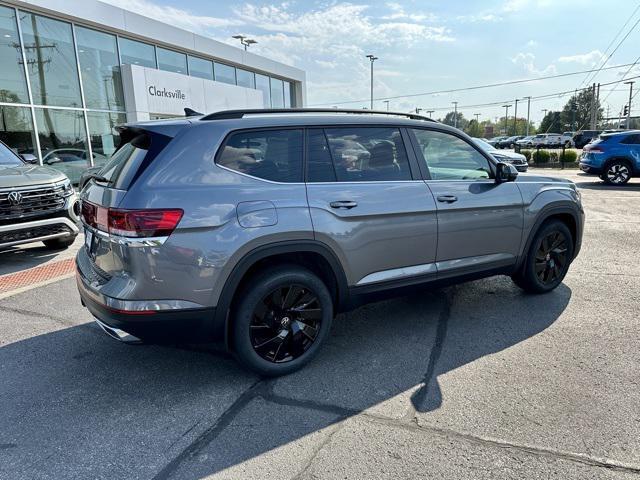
[132, 223]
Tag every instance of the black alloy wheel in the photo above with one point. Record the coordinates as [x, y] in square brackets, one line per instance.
[285, 323]
[551, 258]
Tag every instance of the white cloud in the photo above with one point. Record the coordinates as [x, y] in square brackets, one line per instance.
[527, 61]
[326, 64]
[589, 59]
[398, 13]
[479, 17]
[175, 16]
[532, 43]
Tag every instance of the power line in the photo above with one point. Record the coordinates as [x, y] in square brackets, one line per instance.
[590, 77]
[475, 87]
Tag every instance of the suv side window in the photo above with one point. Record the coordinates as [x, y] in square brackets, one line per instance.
[632, 140]
[274, 155]
[449, 157]
[359, 154]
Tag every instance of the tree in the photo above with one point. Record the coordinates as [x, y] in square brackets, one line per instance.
[473, 129]
[576, 114]
[449, 120]
[551, 123]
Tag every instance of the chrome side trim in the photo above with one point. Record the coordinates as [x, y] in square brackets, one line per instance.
[40, 223]
[397, 273]
[497, 259]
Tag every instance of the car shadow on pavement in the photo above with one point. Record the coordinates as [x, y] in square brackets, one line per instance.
[76, 403]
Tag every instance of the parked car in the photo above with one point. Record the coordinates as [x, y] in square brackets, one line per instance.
[493, 141]
[615, 157]
[526, 142]
[37, 204]
[70, 161]
[547, 140]
[255, 229]
[566, 140]
[516, 159]
[508, 142]
[583, 137]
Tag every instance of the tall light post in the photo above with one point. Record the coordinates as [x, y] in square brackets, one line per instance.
[455, 114]
[506, 117]
[372, 58]
[430, 112]
[629, 107]
[477, 115]
[528, 112]
[515, 119]
[387, 102]
[245, 41]
[544, 111]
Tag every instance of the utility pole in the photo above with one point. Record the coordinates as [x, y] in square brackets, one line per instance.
[515, 119]
[455, 114]
[629, 106]
[528, 111]
[506, 117]
[544, 110]
[430, 112]
[593, 107]
[372, 59]
[387, 102]
[418, 110]
[477, 115]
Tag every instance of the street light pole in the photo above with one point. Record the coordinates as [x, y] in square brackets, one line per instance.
[515, 119]
[245, 41]
[528, 111]
[372, 58]
[455, 114]
[387, 102]
[430, 112]
[630, 97]
[477, 115]
[506, 117]
[545, 110]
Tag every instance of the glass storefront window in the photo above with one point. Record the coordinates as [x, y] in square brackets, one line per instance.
[277, 93]
[51, 61]
[101, 78]
[246, 78]
[13, 87]
[262, 84]
[137, 53]
[16, 129]
[198, 67]
[102, 134]
[63, 141]
[288, 94]
[171, 61]
[224, 73]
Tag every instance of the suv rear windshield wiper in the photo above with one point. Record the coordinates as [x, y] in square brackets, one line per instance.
[100, 179]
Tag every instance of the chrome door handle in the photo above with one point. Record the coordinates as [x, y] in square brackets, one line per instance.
[447, 198]
[344, 204]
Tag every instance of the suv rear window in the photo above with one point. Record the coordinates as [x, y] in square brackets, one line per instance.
[123, 166]
[274, 155]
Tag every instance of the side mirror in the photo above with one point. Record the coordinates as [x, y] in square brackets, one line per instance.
[505, 172]
[29, 158]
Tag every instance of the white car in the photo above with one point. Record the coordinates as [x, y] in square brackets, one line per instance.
[525, 142]
[547, 140]
[567, 139]
[516, 159]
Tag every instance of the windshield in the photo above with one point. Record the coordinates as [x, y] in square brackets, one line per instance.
[482, 143]
[7, 157]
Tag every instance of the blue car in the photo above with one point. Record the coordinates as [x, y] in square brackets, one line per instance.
[615, 157]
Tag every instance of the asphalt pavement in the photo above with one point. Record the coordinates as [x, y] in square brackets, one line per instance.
[476, 381]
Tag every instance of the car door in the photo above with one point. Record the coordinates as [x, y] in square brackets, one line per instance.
[369, 205]
[479, 221]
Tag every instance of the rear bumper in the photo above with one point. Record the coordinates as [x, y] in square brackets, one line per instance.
[158, 321]
[586, 168]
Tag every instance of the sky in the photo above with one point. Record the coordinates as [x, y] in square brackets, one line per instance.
[429, 46]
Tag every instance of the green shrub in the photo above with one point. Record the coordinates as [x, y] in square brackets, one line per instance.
[527, 154]
[553, 156]
[540, 156]
[569, 156]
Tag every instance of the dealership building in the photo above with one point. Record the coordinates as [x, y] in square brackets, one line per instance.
[71, 70]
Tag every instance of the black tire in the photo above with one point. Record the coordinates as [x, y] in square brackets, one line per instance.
[616, 172]
[59, 243]
[283, 316]
[547, 262]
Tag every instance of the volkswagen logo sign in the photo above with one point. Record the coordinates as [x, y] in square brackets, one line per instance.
[15, 198]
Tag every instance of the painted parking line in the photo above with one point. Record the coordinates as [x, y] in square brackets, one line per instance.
[13, 283]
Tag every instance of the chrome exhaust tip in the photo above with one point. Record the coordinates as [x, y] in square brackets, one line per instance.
[118, 334]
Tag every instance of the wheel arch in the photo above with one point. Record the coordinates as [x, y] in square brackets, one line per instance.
[623, 158]
[310, 254]
[567, 215]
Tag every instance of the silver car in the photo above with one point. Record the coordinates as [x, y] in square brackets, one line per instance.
[255, 228]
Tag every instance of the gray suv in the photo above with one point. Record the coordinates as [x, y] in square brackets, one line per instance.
[255, 228]
[36, 204]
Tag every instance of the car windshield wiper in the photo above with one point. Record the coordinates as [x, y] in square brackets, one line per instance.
[100, 179]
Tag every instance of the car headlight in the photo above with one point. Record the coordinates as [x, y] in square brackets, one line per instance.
[67, 189]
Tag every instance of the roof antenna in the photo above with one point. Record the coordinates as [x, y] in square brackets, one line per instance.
[189, 112]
